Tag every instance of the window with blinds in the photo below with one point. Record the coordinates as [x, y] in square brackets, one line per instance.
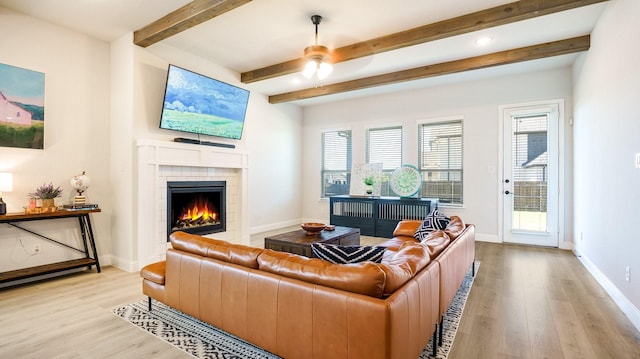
[384, 145]
[440, 160]
[336, 162]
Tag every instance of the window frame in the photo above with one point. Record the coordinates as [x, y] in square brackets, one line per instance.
[386, 173]
[348, 162]
[454, 200]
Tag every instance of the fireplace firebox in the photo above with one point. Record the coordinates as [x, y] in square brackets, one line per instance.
[196, 207]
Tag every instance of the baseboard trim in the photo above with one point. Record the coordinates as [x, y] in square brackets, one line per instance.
[491, 238]
[621, 301]
[125, 265]
[276, 226]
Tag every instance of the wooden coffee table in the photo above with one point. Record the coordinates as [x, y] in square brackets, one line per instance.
[298, 242]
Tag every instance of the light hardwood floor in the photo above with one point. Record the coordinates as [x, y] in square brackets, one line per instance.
[526, 302]
[530, 302]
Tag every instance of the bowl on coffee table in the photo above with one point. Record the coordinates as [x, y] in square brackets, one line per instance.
[312, 228]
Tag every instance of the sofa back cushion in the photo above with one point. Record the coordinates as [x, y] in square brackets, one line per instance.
[410, 259]
[455, 227]
[364, 278]
[407, 228]
[436, 242]
[216, 249]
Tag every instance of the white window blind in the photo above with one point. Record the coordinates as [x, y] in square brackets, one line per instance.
[530, 165]
[440, 160]
[336, 162]
[384, 145]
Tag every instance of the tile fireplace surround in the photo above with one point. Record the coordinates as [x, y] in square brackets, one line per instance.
[162, 161]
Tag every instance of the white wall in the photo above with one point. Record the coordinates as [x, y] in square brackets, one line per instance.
[271, 137]
[607, 124]
[77, 131]
[476, 102]
[100, 99]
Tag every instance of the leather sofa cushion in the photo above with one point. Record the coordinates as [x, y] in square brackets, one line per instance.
[411, 258]
[394, 244]
[455, 227]
[436, 242]
[213, 248]
[154, 272]
[406, 228]
[364, 278]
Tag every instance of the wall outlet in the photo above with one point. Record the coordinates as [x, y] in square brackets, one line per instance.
[36, 248]
[627, 274]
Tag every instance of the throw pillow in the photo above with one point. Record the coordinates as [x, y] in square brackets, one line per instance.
[347, 254]
[434, 221]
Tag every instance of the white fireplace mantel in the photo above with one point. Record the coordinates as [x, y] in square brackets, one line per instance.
[159, 161]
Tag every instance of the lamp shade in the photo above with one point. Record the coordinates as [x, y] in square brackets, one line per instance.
[6, 182]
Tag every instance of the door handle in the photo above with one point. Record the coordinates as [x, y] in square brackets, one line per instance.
[506, 181]
[507, 192]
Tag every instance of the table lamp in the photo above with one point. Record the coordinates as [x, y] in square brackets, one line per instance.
[6, 185]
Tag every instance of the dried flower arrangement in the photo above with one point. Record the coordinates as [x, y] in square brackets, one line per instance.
[47, 191]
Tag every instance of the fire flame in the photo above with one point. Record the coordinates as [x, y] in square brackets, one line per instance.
[199, 210]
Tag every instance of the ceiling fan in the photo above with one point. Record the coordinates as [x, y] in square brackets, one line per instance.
[317, 56]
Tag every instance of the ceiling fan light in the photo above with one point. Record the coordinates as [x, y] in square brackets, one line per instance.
[317, 56]
[310, 69]
[324, 69]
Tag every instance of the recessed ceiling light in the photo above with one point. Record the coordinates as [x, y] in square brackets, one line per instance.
[483, 41]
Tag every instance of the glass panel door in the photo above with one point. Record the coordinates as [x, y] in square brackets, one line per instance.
[530, 188]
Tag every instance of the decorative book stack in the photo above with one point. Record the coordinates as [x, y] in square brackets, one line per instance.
[79, 206]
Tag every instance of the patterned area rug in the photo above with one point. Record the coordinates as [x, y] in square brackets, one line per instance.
[205, 341]
[452, 319]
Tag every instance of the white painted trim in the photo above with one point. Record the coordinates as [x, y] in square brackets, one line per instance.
[346, 127]
[154, 154]
[126, 265]
[370, 126]
[621, 301]
[563, 242]
[491, 238]
[441, 119]
[276, 226]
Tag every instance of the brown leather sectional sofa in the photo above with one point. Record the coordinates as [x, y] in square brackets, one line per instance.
[299, 307]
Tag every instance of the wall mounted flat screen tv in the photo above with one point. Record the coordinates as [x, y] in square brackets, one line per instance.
[199, 104]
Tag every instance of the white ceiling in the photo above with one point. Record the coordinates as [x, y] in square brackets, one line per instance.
[263, 33]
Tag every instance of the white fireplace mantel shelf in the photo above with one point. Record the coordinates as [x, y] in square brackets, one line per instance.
[153, 156]
[184, 154]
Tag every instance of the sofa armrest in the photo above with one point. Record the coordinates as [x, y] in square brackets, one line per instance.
[406, 228]
[154, 272]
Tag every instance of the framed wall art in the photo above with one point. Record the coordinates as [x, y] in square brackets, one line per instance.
[366, 179]
[21, 107]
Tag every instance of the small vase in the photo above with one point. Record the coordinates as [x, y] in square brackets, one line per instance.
[48, 203]
[369, 190]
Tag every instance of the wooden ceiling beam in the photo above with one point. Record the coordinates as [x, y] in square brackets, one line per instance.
[500, 15]
[562, 47]
[186, 17]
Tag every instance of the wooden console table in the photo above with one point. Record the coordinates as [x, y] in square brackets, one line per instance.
[377, 216]
[84, 221]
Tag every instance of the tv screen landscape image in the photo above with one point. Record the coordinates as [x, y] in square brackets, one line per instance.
[198, 104]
